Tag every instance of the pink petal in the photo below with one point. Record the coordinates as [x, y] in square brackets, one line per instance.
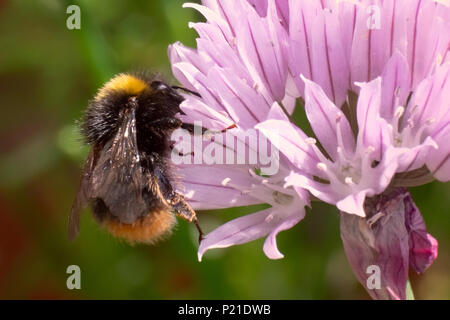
[380, 177]
[428, 37]
[201, 85]
[396, 85]
[372, 47]
[302, 18]
[323, 116]
[283, 11]
[290, 140]
[372, 128]
[347, 19]
[329, 62]
[281, 5]
[423, 248]
[203, 184]
[354, 203]
[324, 192]
[179, 53]
[260, 46]
[276, 113]
[252, 227]
[430, 99]
[383, 244]
[392, 237]
[212, 17]
[303, 194]
[438, 161]
[213, 196]
[260, 6]
[196, 110]
[213, 43]
[245, 106]
[416, 157]
[270, 245]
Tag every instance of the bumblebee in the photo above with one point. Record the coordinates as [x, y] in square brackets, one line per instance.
[127, 178]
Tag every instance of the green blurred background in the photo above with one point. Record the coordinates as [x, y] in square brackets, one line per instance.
[47, 75]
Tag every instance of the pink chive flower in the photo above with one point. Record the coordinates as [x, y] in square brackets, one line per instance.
[357, 173]
[392, 138]
[254, 58]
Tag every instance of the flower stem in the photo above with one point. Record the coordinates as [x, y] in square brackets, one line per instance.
[409, 292]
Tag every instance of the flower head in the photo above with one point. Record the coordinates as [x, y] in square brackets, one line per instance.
[373, 76]
[346, 168]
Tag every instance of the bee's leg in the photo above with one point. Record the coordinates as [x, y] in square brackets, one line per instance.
[200, 232]
[185, 211]
[176, 201]
[182, 208]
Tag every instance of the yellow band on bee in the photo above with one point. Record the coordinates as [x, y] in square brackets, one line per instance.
[125, 83]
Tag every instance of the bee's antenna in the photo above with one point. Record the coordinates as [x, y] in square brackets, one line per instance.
[187, 90]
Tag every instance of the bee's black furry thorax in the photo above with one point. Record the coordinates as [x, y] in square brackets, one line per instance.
[127, 177]
[104, 115]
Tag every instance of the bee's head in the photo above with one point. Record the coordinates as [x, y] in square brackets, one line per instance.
[153, 99]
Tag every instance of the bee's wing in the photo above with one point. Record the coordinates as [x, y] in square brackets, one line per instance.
[83, 195]
[118, 178]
